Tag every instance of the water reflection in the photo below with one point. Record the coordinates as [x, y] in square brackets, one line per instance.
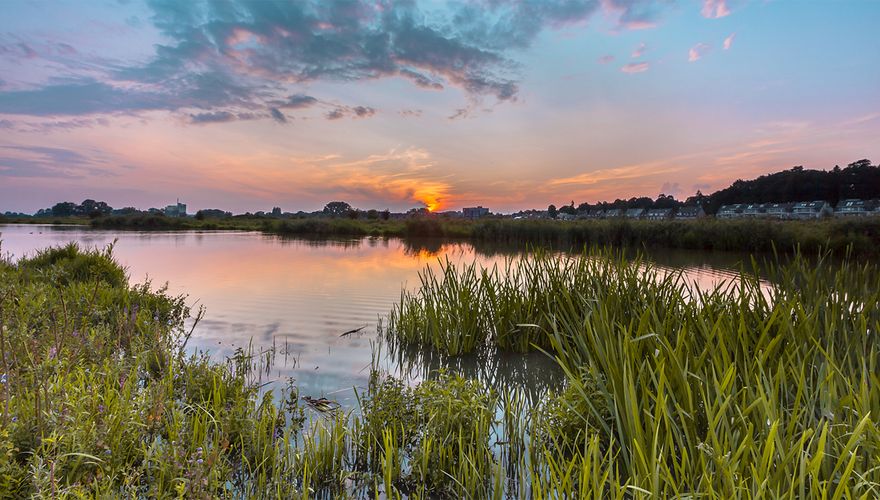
[299, 295]
[532, 375]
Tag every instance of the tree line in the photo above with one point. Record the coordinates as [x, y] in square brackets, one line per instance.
[860, 180]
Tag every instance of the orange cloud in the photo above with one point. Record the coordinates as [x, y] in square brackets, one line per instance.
[396, 176]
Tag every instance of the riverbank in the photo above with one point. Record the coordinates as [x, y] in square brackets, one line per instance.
[860, 236]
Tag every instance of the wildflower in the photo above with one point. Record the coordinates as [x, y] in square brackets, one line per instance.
[3, 378]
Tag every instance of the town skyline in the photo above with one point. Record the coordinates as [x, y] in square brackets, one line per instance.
[509, 105]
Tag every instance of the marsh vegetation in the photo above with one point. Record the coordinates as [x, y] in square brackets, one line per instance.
[742, 390]
[859, 236]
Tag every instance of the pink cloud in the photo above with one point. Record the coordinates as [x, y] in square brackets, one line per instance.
[697, 51]
[606, 59]
[639, 25]
[714, 9]
[640, 50]
[729, 41]
[635, 67]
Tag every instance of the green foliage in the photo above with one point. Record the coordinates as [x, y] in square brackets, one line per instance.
[856, 236]
[752, 389]
[430, 440]
[68, 265]
[99, 398]
[462, 309]
[421, 226]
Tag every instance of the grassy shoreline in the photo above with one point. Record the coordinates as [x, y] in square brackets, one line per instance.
[735, 392]
[860, 236]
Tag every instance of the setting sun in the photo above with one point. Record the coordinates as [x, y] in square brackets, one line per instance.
[431, 197]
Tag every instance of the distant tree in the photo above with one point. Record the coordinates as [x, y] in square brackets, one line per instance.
[337, 208]
[200, 215]
[385, 214]
[353, 214]
[860, 164]
[276, 211]
[551, 211]
[372, 214]
[64, 209]
[698, 199]
[665, 201]
[858, 180]
[86, 207]
[125, 211]
[568, 209]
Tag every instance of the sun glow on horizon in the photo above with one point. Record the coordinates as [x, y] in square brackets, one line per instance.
[430, 198]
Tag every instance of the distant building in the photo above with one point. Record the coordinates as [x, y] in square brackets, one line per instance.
[178, 210]
[730, 211]
[565, 216]
[613, 212]
[811, 210]
[688, 213]
[635, 213]
[596, 213]
[475, 212]
[855, 208]
[778, 210]
[753, 210]
[659, 214]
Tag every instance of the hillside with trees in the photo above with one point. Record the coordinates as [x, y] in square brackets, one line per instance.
[859, 180]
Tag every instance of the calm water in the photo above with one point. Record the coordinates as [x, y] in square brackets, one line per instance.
[301, 295]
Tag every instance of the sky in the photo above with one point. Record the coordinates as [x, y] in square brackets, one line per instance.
[508, 104]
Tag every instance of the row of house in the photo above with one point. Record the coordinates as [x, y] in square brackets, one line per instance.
[801, 210]
[682, 213]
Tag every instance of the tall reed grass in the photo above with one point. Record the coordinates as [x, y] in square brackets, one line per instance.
[742, 391]
[739, 391]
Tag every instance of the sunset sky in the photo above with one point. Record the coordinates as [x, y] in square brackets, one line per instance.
[508, 104]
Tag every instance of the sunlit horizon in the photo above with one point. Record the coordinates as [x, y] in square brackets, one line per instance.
[386, 105]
